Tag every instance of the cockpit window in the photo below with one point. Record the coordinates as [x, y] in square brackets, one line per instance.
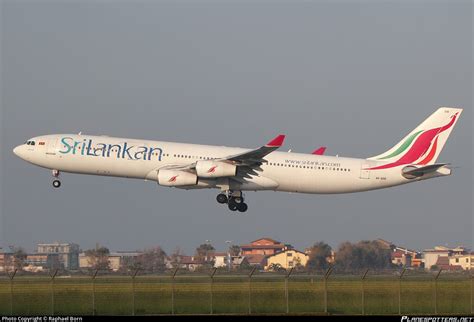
[30, 142]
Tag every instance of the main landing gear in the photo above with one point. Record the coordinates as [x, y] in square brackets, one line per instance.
[56, 182]
[233, 199]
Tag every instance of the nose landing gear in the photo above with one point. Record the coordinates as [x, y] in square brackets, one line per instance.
[56, 182]
[233, 199]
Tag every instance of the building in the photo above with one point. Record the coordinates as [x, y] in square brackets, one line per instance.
[117, 260]
[257, 260]
[460, 250]
[417, 262]
[239, 262]
[465, 261]
[443, 263]
[402, 256]
[430, 256]
[263, 246]
[6, 261]
[189, 263]
[68, 253]
[120, 259]
[287, 259]
[41, 262]
[221, 260]
[85, 261]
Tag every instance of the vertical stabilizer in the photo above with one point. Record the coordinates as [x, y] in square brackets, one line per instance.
[424, 144]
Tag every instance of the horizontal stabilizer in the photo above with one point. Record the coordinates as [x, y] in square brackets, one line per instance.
[411, 171]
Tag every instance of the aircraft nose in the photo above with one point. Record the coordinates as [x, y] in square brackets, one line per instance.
[18, 151]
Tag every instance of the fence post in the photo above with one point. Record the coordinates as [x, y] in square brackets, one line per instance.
[11, 277]
[326, 276]
[28, 298]
[172, 289]
[52, 290]
[400, 291]
[472, 292]
[212, 289]
[93, 291]
[250, 291]
[133, 290]
[363, 291]
[435, 294]
[286, 291]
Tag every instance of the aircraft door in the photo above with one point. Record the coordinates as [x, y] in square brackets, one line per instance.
[364, 173]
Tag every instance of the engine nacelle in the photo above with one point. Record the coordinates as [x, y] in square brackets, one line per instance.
[213, 169]
[176, 178]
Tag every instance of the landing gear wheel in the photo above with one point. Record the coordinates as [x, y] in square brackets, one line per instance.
[56, 183]
[242, 207]
[233, 206]
[222, 198]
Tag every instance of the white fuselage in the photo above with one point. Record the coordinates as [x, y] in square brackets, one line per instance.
[142, 159]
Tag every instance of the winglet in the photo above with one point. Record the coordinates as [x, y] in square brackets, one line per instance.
[276, 142]
[319, 151]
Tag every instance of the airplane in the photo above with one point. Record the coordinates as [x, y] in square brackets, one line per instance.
[234, 170]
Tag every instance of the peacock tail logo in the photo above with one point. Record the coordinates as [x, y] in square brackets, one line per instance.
[212, 169]
[417, 146]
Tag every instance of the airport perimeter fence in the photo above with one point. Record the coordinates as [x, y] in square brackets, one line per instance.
[393, 294]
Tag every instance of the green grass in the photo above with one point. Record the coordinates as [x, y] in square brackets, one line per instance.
[266, 295]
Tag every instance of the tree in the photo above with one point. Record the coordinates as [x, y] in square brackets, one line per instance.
[297, 266]
[129, 264]
[98, 257]
[203, 254]
[275, 267]
[318, 256]
[362, 255]
[176, 257]
[234, 250]
[19, 257]
[153, 260]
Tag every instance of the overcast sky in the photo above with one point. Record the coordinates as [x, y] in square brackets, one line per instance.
[353, 76]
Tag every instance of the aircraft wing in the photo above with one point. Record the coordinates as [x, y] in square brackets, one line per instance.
[248, 158]
[248, 163]
[256, 155]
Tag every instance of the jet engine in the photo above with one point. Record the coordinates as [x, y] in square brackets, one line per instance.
[213, 169]
[176, 178]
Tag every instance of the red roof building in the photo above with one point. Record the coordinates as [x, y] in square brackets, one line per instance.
[264, 246]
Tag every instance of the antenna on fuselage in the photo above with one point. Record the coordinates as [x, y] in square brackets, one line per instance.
[80, 133]
[289, 150]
